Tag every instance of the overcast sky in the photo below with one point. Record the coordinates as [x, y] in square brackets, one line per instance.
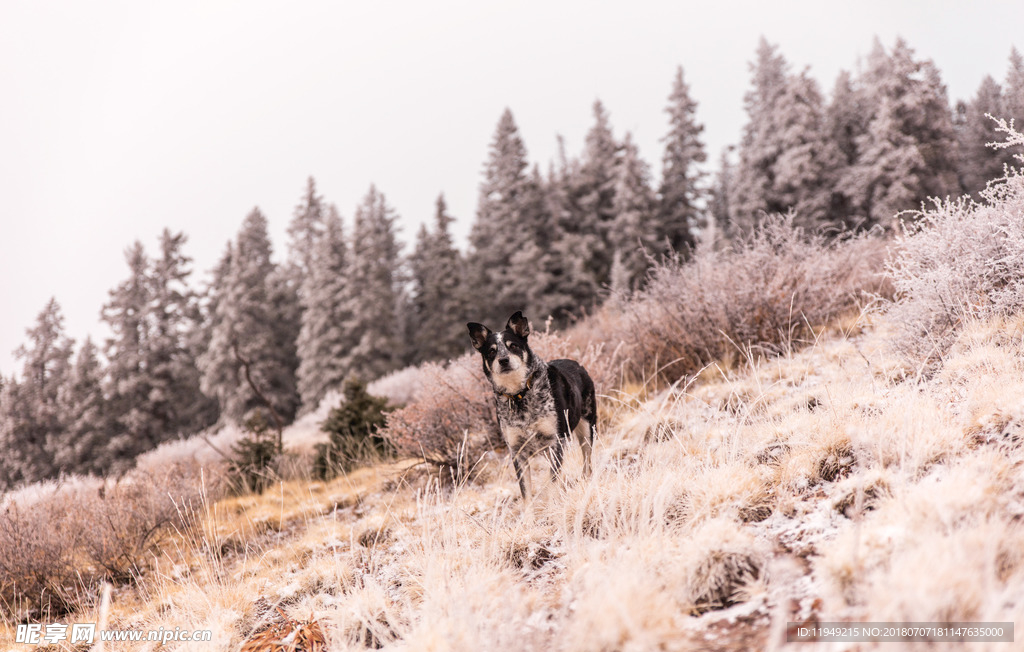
[118, 119]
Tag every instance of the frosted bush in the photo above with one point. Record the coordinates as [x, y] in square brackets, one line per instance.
[959, 261]
[399, 387]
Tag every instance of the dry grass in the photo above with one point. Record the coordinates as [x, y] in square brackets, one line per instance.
[823, 484]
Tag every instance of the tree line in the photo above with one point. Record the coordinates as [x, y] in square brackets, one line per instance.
[347, 302]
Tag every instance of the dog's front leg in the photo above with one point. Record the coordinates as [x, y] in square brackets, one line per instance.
[522, 466]
[555, 455]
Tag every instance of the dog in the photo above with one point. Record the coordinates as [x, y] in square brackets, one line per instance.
[538, 403]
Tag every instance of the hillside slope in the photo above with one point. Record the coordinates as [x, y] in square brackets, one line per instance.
[833, 483]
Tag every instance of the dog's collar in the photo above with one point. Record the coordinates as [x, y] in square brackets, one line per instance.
[521, 394]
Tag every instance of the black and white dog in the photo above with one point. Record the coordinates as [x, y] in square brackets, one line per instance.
[539, 403]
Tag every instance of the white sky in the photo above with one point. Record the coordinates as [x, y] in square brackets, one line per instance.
[118, 119]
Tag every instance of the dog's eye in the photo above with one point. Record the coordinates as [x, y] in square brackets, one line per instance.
[513, 347]
[494, 347]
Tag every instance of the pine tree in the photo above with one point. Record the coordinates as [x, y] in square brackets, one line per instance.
[282, 360]
[212, 295]
[31, 422]
[86, 416]
[890, 179]
[134, 426]
[562, 287]
[787, 157]
[751, 193]
[1013, 106]
[323, 341]
[911, 132]
[979, 163]
[506, 196]
[438, 301]
[244, 327]
[374, 275]
[719, 228]
[681, 194]
[634, 237]
[807, 157]
[307, 226]
[846, 122]
[176, 400]
[594, 196]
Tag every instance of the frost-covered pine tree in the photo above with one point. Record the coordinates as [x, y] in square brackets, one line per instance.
[889, 177]
[506, 197]
[176, 400]
[635, 237]
[979, 163]
[153, 387]
[135, 427]
[681, 194]
[807, 157]
[245, 325]
[910, 132]
[593, 192]
[786, 158]
[304, 231]
[288, 282]
[846, 122]
[438, 295]
[324, 341]
[32, 424]
[217, 365]
[718, 230]
[562, 285]
[86, 416]
[374, 276]
[286, 315]
[751, 194]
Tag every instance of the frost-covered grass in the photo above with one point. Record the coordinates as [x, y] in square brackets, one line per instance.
[831, 483]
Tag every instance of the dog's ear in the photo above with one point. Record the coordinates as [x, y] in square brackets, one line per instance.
[518, 325]
[478, 334]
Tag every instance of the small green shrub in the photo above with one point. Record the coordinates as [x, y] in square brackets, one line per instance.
[353, 427]
[254, 458]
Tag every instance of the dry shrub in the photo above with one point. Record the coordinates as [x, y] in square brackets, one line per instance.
[451, 422]
[765, 295]
[58, 547]
[956, 263]
[124, 523]
[38, 566]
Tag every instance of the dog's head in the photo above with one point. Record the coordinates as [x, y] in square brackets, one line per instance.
[507, 355]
